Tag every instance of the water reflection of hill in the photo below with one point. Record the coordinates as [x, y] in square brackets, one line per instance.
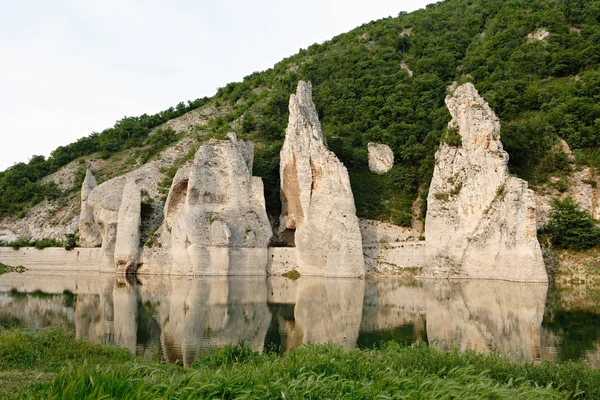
[177, 318]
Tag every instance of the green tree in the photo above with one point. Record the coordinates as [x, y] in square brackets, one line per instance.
[571, 227]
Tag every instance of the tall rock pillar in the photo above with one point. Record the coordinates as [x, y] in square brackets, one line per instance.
[318, 213]
[480, 221]
[89, 232]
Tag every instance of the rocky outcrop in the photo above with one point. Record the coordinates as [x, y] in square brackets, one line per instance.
[318, 214]
[381, 158]
[127, 243]
[582, 185]
[111, 215]
[7, 236]
[89, 232]
[540, 34]
[480, 222]
[215, 209]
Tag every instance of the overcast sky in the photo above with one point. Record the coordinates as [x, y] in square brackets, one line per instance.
[71, 67]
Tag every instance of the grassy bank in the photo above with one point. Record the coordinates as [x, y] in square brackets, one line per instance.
[51, 364]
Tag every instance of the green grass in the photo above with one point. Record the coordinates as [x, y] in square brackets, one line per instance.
[50, 364]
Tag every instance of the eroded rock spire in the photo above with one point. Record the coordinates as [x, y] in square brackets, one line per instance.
[318, 212]
[480, 221]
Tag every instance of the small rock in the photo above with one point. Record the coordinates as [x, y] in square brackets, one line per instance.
[381, 158]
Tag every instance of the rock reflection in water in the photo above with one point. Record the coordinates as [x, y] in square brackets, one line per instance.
[485, 316]
[177, 318]
[197, 315]
[324, 310]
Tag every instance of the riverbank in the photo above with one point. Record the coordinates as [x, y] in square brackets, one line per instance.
[52, 364]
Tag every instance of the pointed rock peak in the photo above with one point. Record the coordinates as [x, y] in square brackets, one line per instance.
[303, 114]
[89, 183]
[232, 137]
[466, 97]
[90, 180]
[473, 119]
[304, 94]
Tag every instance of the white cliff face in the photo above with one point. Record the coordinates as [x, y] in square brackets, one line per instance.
[381, 158]
[127, 243]
[481, 222]
[318, 212]
[215, 210]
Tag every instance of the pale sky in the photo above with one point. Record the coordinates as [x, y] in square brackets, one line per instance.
[71, 67]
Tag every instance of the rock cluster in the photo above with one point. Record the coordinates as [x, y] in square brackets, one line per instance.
[481, 223]
[318, 213]
[381, 158]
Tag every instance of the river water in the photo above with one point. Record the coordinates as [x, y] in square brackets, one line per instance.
[178, 318]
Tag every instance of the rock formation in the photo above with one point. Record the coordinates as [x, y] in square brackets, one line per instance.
[381, 158]
[582, 186]
[481, 222]
[127, 243]
[111, 215]
[215, 215]
[89, 233]
[318, 213]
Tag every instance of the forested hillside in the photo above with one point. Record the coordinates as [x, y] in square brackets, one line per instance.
[535, 61]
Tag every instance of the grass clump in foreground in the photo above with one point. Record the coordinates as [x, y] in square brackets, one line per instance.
[315, 371]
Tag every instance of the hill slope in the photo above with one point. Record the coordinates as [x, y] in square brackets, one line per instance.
[536, 62]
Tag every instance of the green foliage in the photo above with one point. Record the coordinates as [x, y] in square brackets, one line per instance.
[158, 141]
[452, 137]
[81, 370]
[571, 227]
[46, 242]
[71, 241]
[38, 244]
[293, 275]
[266, 166]
[385, 197]
[20, 187]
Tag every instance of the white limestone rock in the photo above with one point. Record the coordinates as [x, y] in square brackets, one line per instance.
[539, 35]
[381, 158]
[7, 236]
[114, 210]
[127, 243]
[215, 217]
[318, 213]
[89, 232]
[104, 202]
[481, 223]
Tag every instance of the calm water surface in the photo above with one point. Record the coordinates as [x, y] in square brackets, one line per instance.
[177, 318]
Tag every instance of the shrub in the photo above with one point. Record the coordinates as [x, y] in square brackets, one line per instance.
[46, 242]
[571, 227]
[71, 241]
